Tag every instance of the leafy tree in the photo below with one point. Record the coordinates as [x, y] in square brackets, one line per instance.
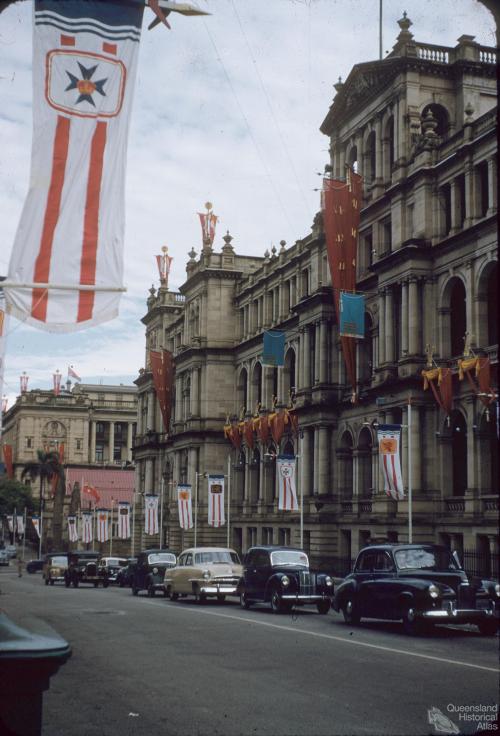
[14, 495]
[45, 469]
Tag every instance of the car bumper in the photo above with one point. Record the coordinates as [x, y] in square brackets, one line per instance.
[306, 598]
[460, 615]
[218, 589]
[57, 578]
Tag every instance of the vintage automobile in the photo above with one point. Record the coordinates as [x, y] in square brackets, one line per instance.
[204, 572]
[4, 557]
[33, 566]
[54, 567]
[83, 568]
[418, 584]
[125, 574]
[149, 571]
[281, 576]
[112, 565]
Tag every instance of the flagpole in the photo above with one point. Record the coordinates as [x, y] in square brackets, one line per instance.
[161, 509]
[410, 479]
[41, 532]
[24, 530]
[93, 530]
[195, 504]
[132, 546]
[380, 30]
[228, 496]
[111, 535]
[301, 492]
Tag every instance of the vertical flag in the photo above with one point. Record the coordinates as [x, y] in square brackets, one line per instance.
[73, 374]
[287, 494]
[185, 506]
[87, 535]
[57, 382]
[11, 523]
[20, 524]
[216, 500]
[352, 315]
[8, 460]
[72, 529]
[23, 382]
[389, 436]
[102, 525]
[36, 523]
[72, 226]
[208, 222]
[162, 368]
[274, 349]
[151, 514]
[123, 520]
[164, 263]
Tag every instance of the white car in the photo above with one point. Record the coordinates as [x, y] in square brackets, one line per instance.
[204, 572]
[4, 557]
[11, 550]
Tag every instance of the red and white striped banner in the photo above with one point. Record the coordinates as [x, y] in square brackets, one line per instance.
[389, 436]
[36, 523]
[72, 529]
[71, 231]
[185, 506]
[164, 262]
[151, 514]
[216, 500]
[23, 382]
[123, 520]
[287, 492]
[102, 525]
[87, 527]
[57, 382]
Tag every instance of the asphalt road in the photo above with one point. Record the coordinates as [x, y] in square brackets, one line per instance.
[154, 666]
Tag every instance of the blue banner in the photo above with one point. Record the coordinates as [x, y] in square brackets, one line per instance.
[352, 315]
[274, 348]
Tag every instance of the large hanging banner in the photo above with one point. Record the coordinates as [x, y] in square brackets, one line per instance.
[216, 500]
[72, 226]
[273, 352]
[287, 491]
[341, 204]
[72, 529]
[150, 514]
[162, 368]
[123, 520]
[36, 523]
[102, 525]
[352, 315]
[11, 523]
[389, 437]
[20, 524]
[185, 506]
[87, 535]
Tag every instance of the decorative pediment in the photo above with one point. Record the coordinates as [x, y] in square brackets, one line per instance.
[366, 82]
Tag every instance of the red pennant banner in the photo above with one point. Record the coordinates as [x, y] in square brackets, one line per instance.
[162, 367]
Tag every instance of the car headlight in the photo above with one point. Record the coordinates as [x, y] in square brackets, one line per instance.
[285, 581]
[206, 575]
[328, 581]
[433, 591]
[155, 571]
[497, 590]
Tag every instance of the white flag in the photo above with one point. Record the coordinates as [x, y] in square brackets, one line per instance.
[72, 529]
[20, 524]
[123, 520]
[216, 500]
[71, 230]
[287, 492]
[10, 522]
[102, 525]
[36, 523]
[185, 506]
[151, 514]
[87, 535]
[388, 448]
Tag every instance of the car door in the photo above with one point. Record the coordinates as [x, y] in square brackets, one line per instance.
[379, 590]
[182, 583]
[250, 572]
[363, 577]
[263, 571]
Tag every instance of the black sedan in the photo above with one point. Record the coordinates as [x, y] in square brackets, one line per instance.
[418, 584]
[33, 566]
[149, 571]
[281, 576]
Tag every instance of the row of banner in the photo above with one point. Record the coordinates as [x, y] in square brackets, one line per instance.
[15, 523]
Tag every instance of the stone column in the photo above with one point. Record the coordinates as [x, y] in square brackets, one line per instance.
[149, 480]
[93, 425]
[355, 473]
[404, 318]
[414, 317]
[470, 194]
[306, 462]
[378, 149]
[470, 300]
[389, 327]
[429, 338]
[455, 206]
[195, 378]
[306, 382]
[322, 484]
[416, 447]
[323, 351]
[111, 447]
[315, 482]
[317, 351]
[492, 187]
[150, 422]
[130, 436]
[178, 400]
[381, 327]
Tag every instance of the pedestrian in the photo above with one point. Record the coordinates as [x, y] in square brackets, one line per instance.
[19, 567]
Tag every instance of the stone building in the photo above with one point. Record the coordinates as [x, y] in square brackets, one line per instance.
[92, 426]
[420, 127]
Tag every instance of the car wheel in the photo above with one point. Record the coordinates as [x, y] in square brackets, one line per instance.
[174, 596]
[488, 628]
[75, 583]
[244, 602]
[323, 607]
[277, 604]
[135, 591]
[51, 581]
[351, 613]
[105, 584]
[96, 583]
[67, 582]
[46, 581]
[151, 591]
[412, 625]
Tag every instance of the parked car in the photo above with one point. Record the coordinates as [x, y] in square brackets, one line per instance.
[113, 565]
[11, 550]
[149, 572]
[83, 568]
[33, 566]
[204, 572]
[125, 574]
[4, 557]
[54, 567]
[281, 576]
[416, 584]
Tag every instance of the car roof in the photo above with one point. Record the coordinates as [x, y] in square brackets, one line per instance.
[155, 550]
[208, 549]
[394, 545]
[275, 548]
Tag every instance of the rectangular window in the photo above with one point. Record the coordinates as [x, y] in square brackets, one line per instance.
[267, 535]
[445, 202]
[284, 537]
[99, 452]
[387, 235]
[79, 443]
[29, 443]
[251, 536]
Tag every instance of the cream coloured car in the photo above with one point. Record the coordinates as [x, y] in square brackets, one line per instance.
[204, 572]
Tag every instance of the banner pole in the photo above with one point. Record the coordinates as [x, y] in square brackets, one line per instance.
[410, 478]
[111, 534]
[41, 532]
[132, 545]
[228, 496]
[161, 510]
[195, 504]
[24, 531]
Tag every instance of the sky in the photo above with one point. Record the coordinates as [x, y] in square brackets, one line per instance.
[227, 109]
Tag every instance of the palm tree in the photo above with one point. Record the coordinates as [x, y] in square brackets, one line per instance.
[45, 469]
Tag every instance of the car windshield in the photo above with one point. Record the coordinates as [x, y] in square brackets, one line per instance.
[115, 562]
[289, 557]
[216, 556]
[425, 558]
[161, 557]
[62, 561]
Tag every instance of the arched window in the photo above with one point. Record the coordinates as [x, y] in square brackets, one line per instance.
[289, 379]
[458, 430]
[458, 320]
[370, 157]
[345, 462]
[440, 115]
[365, 352]
[257, 383]
[365, 481]
[493, 306]
[241, 390]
